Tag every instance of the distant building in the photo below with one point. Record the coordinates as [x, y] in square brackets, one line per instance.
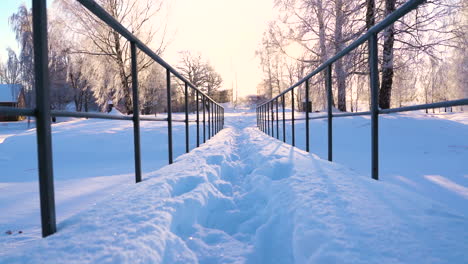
[12, 95]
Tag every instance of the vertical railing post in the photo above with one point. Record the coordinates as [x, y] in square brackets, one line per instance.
[43, 128]
[292, 117]
[307, 115]
[374, 84]
[136, 113]
[169, 115]
[209, 118]
[284, 118]
[277, 121]
[187, 146]
[212, 118]
[217, 119]
[328, 83]
[261, 118]
[256, 115]
[272, 120]
[267, 110]
[204, 117]
[198, 118]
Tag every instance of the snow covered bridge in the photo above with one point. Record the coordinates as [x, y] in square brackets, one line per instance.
[240, 197]
[244, 197]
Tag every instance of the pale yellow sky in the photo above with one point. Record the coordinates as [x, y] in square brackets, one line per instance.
[225, 32]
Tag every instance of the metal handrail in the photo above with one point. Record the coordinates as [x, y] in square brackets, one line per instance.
[43, 113]
[266, 109]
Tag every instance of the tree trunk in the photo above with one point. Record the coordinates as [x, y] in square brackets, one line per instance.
[339, 70]
[322, 45]
[387, 60]
[122, 74]
[370, 13]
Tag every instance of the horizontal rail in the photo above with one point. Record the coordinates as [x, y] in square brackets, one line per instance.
[460, 102]
[102, 14]
[451, 103]
[6, 110]
[351, 114]
[149, 118]
[88, 115]
[394, 16]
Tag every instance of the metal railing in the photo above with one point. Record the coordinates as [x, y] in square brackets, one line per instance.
[43, 113]
[266, 113]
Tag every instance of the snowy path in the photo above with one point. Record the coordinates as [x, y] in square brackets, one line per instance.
[246, 198]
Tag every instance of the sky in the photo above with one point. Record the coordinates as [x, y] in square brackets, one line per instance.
[225, 32]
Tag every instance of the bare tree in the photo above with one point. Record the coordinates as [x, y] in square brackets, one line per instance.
[10, 73]
[107, 46]
[199, 72]
[21, 23]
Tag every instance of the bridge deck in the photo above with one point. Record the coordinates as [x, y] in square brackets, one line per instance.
[244, 197]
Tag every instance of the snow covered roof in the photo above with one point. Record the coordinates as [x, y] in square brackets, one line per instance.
[9, 92]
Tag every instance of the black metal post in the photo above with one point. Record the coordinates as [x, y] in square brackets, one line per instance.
[209, 119]
[198, 118]
[272, 120]
[169, 115]
[136, 113]
[187, 146]
[328, 83]
[43, 129]
[292, 117]
[204, 117]
[256, 115]
[217, 119]
[261, 118]
[267, 110]
[374, 84]
[284, 118]
[307, 115]
[277, 121]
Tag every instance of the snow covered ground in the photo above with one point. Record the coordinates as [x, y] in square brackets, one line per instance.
[243, 197]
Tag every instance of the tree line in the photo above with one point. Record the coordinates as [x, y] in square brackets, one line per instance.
[89, 62]
[423, 57]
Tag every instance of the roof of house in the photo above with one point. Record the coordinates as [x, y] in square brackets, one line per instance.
[9, 92]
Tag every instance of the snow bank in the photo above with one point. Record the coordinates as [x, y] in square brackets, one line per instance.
[247, 198]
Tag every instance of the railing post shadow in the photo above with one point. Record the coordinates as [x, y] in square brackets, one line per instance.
[136, 113]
